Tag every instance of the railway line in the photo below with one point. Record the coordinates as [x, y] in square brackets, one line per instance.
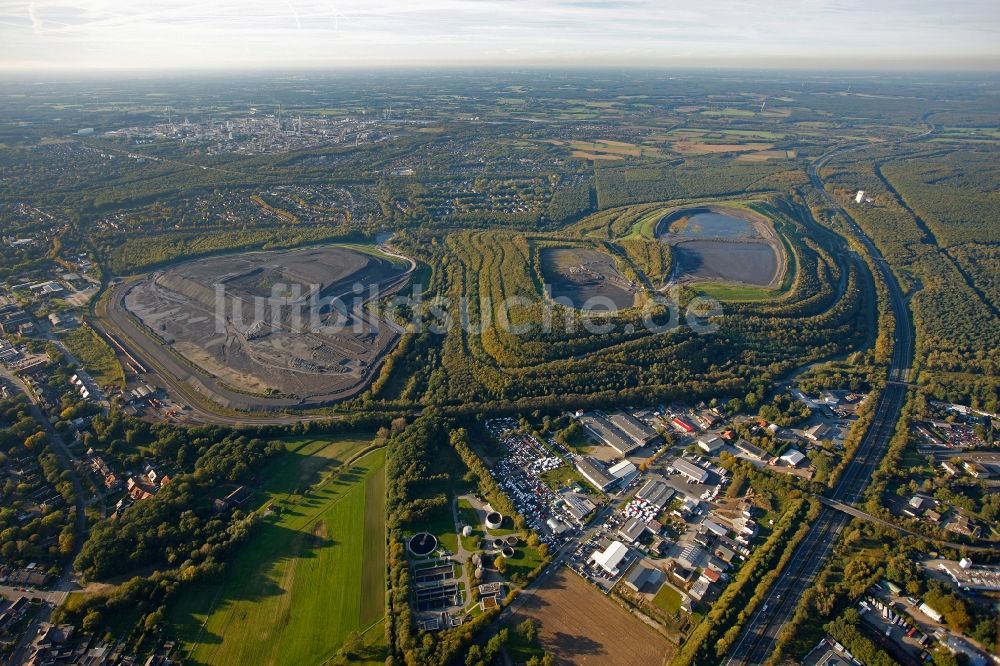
[760, 634]
[207, 401]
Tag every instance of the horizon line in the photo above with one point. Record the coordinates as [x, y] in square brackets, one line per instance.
[970, 65]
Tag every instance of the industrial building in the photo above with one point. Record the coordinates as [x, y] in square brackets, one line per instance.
[714, 528]
[633, 529]
[605, 431]
[681, 424]
[751, 450]
[969, 576]
[690, 470]
[638, 432]
[710, 445]
[610, 558]
[595, 473]
[793, 457]
[578, 506]
[691, 557]
[642, 578]
[656, 492]
[821, 431]
[623, 470]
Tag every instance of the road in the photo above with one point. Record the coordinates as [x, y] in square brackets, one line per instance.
[760, 633]
[66, 581]
[858, 513]
[201, 394]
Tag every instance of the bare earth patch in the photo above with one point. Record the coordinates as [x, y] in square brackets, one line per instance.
[579, 625]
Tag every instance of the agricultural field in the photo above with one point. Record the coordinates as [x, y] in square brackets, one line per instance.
[312, 573]
[606, 149]
[748, 145]
[579, 625]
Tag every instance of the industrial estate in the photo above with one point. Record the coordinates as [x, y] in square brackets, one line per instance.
[500, 368]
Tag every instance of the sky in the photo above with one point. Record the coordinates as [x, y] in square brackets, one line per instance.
[277, 34]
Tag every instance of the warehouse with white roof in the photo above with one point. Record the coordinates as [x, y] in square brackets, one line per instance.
[793, 457]
[610, 558]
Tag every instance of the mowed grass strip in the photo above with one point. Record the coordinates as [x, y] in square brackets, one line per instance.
[373, 563]
[294, 591]
[736, 293]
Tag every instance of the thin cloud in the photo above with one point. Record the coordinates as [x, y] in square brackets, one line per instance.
[233, 33]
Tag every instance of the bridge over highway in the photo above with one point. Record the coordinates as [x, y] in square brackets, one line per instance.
[858, 513]
[760, 634]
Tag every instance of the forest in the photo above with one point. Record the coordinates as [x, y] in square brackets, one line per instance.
[560, 356]
[953, 312]
[476, 175]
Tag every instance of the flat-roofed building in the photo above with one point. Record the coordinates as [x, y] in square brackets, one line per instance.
[751, 450]
[690, 470]
[691, 557]
[637, 431]
[656, 492]
[578, 506]
[820, 432]
[623, 469]
[595, 473]
[976, 470]
[793, 457]
[970, 576]
[610, 558]
[682, 424]
[699, 589]
[714, 528]
[633, 529]
[644, 579]
[710, 444]
[608, 433]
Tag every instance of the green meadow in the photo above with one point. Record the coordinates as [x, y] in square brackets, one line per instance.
[310, 575]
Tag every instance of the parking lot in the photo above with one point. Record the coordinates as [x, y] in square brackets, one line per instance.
[519, 475]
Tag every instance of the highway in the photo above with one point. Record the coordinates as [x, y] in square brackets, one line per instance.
[760, 633]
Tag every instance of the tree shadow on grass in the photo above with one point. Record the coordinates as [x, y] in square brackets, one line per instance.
[251, 576]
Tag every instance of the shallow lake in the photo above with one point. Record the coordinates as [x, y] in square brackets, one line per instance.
[712, 225]
[729, 261]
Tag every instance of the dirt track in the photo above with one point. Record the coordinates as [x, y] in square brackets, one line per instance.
[182, 375]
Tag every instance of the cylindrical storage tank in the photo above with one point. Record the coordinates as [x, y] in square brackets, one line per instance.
[512, 540]
[466, 531]
[508, 552]
[422, 544]
[498, 543]
[493, 520]
[479, 572]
